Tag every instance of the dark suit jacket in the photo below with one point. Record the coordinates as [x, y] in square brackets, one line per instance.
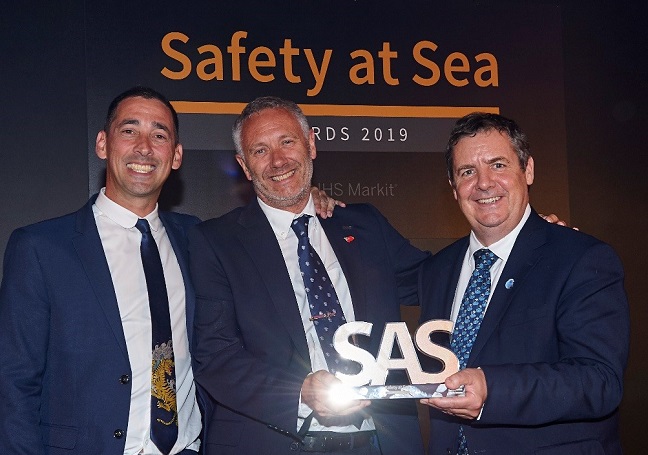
[553, 347]
[64, 368]
[251, 353]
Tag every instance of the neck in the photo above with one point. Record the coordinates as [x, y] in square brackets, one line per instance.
[139, 206]
[296, 207]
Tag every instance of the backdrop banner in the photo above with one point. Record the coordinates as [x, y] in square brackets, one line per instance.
[381, 82]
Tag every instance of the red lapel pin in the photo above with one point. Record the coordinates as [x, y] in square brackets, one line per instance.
[349, 238]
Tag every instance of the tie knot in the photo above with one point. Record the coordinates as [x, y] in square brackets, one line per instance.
[300, 226]
[484, 258]
[142, 225]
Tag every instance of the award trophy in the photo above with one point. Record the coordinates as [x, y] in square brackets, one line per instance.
[369, 383]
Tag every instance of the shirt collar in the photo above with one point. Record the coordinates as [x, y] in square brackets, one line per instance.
[503, 247]
[280, 220]
[122, 216]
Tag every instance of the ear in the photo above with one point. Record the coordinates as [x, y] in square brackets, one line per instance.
[177, 157]
[311, 144]
[241, 163]
[529, 171]
[100, 145]
[454, 190]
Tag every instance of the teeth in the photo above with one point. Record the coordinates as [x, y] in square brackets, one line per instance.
[490, 200]
[279, 178]
[140, 168]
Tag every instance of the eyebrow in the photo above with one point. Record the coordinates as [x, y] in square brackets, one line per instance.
[161, 126]
[264, 143]
[156, 125]
[463, 167]
[490, 161]
[498, 158]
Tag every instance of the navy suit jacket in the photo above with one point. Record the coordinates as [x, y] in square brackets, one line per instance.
[553, 345]
[251, 353]
[64, 370]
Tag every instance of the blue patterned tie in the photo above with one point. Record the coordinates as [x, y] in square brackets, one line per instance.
[470, 317]
[164, 415]
[326, 312]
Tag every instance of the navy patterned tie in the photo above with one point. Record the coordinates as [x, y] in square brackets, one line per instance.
[326, 312]
[164, 415]
[470, 317]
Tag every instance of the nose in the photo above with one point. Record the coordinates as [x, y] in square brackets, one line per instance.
[485, 180]
[277, 157]
[143, 146]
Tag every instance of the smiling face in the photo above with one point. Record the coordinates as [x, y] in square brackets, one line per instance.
[278, 158]
[140, 150]
[491, 188]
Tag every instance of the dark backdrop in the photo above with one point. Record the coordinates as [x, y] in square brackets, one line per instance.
[43, 137]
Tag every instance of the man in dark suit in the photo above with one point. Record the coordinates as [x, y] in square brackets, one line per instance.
[258, 353]
[544, 367]
[75, 327]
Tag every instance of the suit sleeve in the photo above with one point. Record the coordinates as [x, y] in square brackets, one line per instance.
[406, 258]
[586, 380]
[230, 374]
[24, 332]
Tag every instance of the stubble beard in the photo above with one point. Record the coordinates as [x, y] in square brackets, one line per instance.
[279, 201]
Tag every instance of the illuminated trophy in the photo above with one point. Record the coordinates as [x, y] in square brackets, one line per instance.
[369, 383]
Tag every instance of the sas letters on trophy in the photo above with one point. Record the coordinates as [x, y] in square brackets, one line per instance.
[369, 383]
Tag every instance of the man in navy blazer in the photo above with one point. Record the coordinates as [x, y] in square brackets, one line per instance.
[545, 372]
[256, 353]
[73, 378]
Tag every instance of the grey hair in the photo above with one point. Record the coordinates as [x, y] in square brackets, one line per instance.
[260, 104]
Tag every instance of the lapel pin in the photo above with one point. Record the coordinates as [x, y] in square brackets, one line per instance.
[509, 283]
[349, 238]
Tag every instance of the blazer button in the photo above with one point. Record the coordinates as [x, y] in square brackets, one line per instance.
[124, 379]
[118, 434]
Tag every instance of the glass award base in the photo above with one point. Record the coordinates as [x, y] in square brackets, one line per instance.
[392, 392]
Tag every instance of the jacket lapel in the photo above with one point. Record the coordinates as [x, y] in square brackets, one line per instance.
[349, 255]
[453, 270]
[178, 237]
[90, 252]
[520, 263]
[259, 241]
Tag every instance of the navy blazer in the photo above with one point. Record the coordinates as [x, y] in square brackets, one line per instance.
[553, 345]
[251, 353]
[64, 368]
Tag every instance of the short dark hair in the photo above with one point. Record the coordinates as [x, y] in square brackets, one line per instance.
[479, 122]
[146, 93]
[267, 102]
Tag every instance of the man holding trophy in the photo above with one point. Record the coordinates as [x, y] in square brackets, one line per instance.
[541, 324]
[273, 283]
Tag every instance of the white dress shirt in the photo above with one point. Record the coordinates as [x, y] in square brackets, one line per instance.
[281, 221]
[502, 249]
[121, 244]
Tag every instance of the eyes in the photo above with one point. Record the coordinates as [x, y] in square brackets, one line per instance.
[161, 137]
[469, 171]
[466, 172]
[157, 136]
[284, 143]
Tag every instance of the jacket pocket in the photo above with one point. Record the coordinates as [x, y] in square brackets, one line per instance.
[60, 436]
[224, 432]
